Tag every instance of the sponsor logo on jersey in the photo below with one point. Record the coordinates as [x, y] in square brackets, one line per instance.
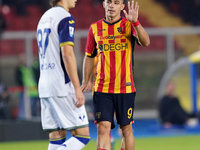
[47, 66]
[111, 37]
[102, 30]
[71, 21]
[113, 47]
[71, 31]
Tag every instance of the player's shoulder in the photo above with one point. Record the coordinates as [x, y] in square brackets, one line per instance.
[125, 20]
[58, 13]
[97, 22]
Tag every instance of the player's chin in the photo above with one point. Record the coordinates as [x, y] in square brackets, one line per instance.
[110, 15]
[72, 6]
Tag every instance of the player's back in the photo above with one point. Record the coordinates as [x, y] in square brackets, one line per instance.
[54, 80]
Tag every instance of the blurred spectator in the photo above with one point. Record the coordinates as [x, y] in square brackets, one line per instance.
[4, 103]
[170, 111]
[36, 70]
[2, 24]
[45, 4]
[21, 7]
[8, 2]
[26, 79]
[97, 2]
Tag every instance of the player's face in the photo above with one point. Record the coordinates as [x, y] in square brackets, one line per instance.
[71, 3]
[113, 7]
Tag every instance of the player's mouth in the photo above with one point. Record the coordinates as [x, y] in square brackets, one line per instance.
[111, 11]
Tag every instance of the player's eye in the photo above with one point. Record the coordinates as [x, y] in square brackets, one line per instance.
[109, 1]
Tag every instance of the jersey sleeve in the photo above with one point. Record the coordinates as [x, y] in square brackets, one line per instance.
[66, 31]
[90, 49]
[134, 33]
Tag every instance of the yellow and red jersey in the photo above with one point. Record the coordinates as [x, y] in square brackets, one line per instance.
[113, 44]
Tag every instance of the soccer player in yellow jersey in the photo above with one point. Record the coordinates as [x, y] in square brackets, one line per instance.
[112, 40]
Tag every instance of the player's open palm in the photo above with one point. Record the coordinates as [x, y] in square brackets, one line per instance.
[132, 14]
[80, 98]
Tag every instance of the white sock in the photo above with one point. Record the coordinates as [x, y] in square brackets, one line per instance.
[53, 146]
[72, 144]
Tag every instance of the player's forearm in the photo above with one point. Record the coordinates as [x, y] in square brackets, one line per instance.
[142, 35]
[88, 65]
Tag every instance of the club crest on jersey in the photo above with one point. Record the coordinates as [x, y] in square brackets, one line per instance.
[98, 114]
[119, 29]
[71, 31]
[82, 117]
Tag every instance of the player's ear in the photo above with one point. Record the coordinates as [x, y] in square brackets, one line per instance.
[103, 4]
[122, 7]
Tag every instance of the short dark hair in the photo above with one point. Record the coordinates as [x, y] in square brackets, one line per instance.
[53, 2]
[124, 1]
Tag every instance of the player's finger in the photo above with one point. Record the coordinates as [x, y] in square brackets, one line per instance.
[132, 5]
[125, 13]
[79, 103]
[129, 7]
[82, 87]
[76, 103]
[136, 4]
[137, 9]
[85, 89]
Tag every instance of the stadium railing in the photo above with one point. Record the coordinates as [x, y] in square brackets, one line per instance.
[168, 33]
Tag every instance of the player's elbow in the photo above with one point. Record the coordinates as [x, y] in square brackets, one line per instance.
[66, 57]
[145, 43]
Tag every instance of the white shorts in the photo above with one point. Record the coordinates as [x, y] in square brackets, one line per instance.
[60, 113]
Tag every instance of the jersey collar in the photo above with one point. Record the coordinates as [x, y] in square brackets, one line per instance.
[59, 6]
[111, 23]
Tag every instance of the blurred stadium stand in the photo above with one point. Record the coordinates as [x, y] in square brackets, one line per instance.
[187, 10]
[172, 35]
[167, 43]
[21, 131]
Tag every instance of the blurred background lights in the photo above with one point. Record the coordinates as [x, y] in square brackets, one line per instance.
[5, 9]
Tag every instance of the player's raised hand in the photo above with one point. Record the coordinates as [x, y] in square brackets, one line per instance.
[132, 14]
[80, 98]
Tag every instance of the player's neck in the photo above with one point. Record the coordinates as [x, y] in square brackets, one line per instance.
[112, 19]
[64, 5]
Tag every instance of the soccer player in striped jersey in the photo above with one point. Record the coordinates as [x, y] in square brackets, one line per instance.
[112, 40]
[62, 100]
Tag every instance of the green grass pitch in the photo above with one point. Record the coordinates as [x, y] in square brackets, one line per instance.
[157, 143]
